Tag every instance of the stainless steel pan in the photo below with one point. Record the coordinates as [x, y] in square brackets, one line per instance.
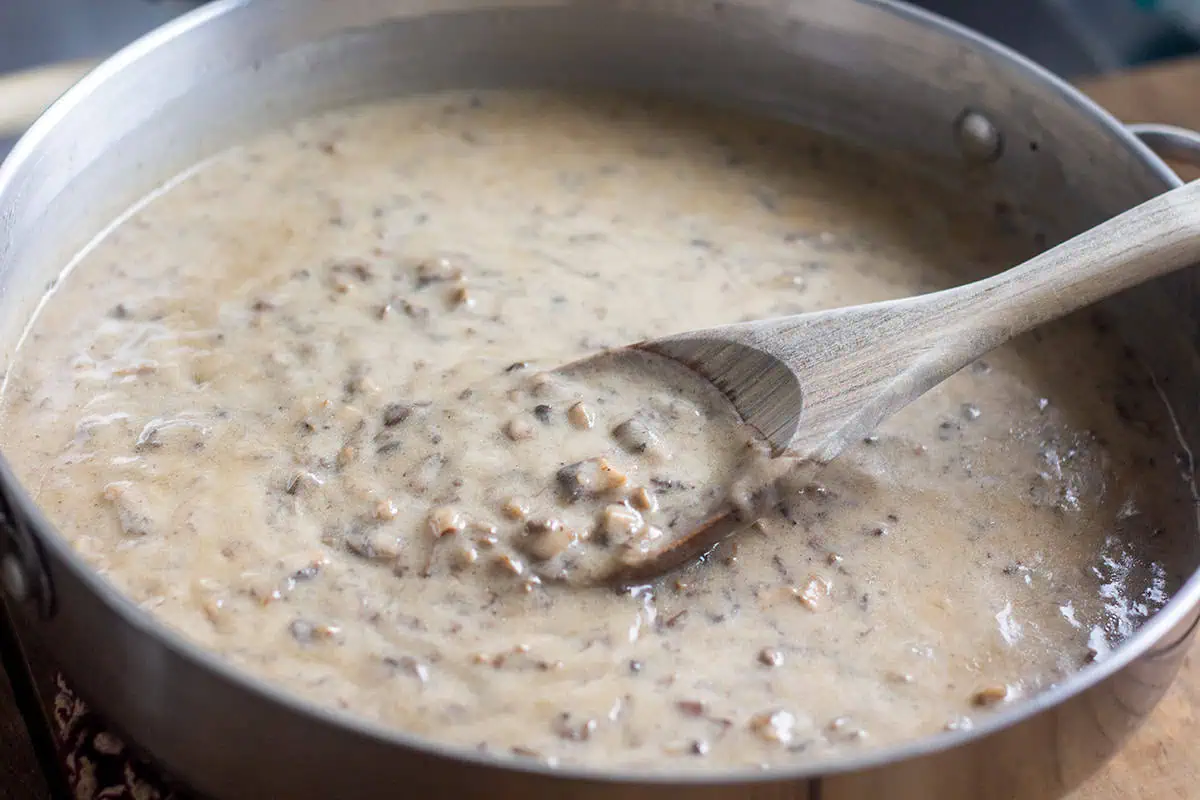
[872, 71]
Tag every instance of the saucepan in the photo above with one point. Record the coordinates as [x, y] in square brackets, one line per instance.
[872, 71]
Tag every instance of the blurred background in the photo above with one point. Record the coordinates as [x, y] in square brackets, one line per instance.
[1074, 38]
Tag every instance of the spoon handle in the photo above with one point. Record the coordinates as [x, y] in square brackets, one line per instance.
[813, 383]
[1157, 237]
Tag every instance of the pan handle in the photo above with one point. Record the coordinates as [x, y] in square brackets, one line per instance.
[1170, 142]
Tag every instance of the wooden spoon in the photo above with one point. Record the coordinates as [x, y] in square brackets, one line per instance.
[811, 384]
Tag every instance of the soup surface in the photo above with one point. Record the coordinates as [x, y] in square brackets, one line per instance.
[297, 407]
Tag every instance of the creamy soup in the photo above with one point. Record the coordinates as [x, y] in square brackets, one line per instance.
[303, 407]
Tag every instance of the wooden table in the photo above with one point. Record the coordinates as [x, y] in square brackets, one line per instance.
[1162, 762]
[1169, 93]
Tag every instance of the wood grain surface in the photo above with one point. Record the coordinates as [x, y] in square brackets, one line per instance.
[1161, 762]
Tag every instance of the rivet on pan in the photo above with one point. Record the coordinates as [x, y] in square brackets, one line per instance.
[12, 575]
[978, 138]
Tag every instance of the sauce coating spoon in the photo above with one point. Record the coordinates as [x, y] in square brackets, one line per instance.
[811, 384]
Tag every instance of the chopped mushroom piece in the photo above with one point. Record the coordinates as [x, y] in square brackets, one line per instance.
[395, 413]
[302, 481]
[844, 729]
[460, 297]
[465, 555]
[642, 542]
[581, 416]
[409, 666]
[215, 611]
[386, 510]
[544, 383]
[589, 478]
[990, 696]
[306, 632]
[529, 752]
[621, 523]
[518, 430]
[301, 631]
[444, 520]
[643, 500]
[770, 657]
[135, 513]
[636, 436]
[439, 269]
[774, 726]
[509, 564]
[814, 594]
[515, 508]
[373, 545]
[574, 730]
[546, 539]
[362, 384]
